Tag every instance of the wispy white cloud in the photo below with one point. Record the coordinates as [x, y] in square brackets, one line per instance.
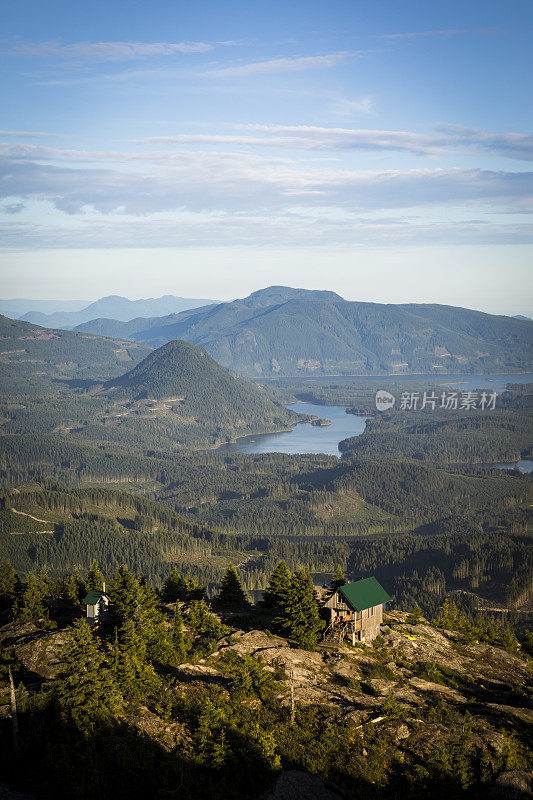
[292, 64]
[34, 134]
[345, 107]
[12, 208]
[202, 229]
[110, 51]
[232, 182]
[445, 32]
[442, 141]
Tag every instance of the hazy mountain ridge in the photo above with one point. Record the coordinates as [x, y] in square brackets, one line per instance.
[284, 331]
[117, 307]
[17, 307]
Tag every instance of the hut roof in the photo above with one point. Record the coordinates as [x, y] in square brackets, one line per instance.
[93, 596]
[365, 593]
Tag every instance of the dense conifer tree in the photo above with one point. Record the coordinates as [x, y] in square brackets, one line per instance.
[232, 595]
[278, 588]
[8, 584]
[339, 579]
[205, 625]
[95, 578]
[86, 688]
[125, 594]
[32, 607]
[134, 674]
[178, 638]
[174, 587]
[68, 591]
[300, 618]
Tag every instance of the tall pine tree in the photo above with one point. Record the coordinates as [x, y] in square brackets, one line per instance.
[232, 596]
[300, 618]
[134, 675]
[278, 587]
[85, 687]
[31, 607]
[95, 579]
[8, 585]
[174, 588]
[178, 637]
[339, 579]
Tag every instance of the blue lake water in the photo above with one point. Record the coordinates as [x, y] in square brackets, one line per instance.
[524, 465]
[304, 438]
[307, 438]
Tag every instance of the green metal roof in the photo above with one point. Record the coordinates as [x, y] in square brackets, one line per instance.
[93, 596]
[364, 594]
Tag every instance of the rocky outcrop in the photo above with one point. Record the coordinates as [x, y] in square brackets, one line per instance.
[514, 785]
[470, 676]
[295, 785]
[36, 649]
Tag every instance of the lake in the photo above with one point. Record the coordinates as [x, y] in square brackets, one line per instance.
[304, 438]
[524, 465]
[307, 438]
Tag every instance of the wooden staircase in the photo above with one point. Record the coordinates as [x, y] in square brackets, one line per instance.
[334, 635]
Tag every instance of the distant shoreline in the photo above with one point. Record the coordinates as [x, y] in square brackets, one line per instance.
[384, 375]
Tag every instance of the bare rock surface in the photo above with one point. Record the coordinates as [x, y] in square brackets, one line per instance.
[513, 785]
[428, 686]
[521, 714]
[296, 785]
[169, 734]
[36, 649]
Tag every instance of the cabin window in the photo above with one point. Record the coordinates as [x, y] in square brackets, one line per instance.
[371, 611]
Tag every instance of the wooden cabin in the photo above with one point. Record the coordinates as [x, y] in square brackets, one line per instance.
[97, 603]
[356, 610]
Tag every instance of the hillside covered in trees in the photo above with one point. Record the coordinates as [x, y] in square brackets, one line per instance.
[29, 354]
[173, 695]
[176, 397]
[284, 331]
[112, 475]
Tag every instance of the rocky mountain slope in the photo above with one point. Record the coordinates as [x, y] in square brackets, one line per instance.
[425, 706]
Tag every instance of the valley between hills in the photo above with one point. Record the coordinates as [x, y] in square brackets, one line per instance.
[109, 471]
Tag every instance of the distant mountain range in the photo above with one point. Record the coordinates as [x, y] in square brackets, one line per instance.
[286, 331]
[15, 309]
[114, 306]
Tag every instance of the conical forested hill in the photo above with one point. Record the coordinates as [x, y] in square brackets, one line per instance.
[187, 375]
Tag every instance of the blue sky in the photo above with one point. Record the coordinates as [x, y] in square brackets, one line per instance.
[379, 149]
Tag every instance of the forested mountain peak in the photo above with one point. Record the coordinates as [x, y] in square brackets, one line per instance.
[176, 367]
[281, 294]
[283, 331]
[201, 391]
